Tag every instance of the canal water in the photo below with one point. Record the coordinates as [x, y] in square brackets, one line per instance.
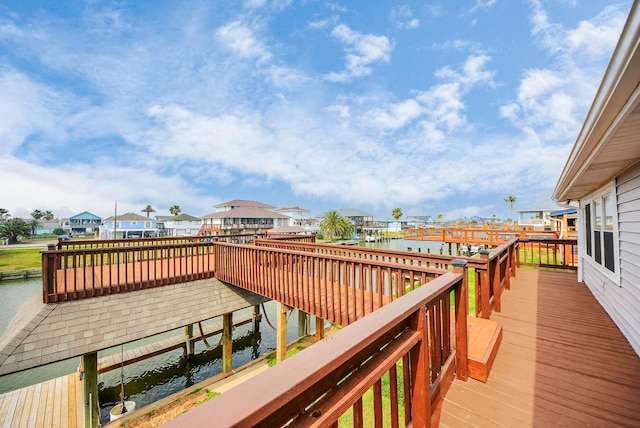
[155, 378]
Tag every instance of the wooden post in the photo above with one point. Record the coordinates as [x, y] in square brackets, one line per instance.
[303, 323]
[90, 386]
[420, 358]
[319, 329]
[461, 302]
[48, 270]
[485, 286]
[227, 342]
[256, 318]
[281, 333]
[189, 346]
[496, 283]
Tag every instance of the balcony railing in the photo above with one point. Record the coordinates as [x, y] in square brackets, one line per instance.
[407, 343]
[407, 340]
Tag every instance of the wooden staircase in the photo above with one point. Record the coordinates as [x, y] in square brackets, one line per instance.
[484, 340]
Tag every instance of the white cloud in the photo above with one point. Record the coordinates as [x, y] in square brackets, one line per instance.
[551, 101]
[363, 51]
[396, 116]
[240, 39]
[402, 17]
[598, 37]
[323, 23]
[482, 4]
[444, 102]
[254, 4]
[27, 109]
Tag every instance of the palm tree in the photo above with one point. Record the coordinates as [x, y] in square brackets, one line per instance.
[4, 215]
[510, 200]
[396, 213]
[346, 228]
[333, 224]
[47, 215]
[13, 228]
[37, 214]
[175, 209]
[33, 225]
[148, 209]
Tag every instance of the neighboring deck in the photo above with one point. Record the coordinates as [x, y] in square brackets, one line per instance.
[562, 362]
[54, 403]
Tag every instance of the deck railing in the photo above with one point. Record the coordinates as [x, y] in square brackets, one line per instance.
[490, 272]
[336, 288]
[407, 342]
[479, 236]
[557, 254]
[78, 273]
[73, 244]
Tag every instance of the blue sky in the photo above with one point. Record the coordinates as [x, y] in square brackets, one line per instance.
[443, 107]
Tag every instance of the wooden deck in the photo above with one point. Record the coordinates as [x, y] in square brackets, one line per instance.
[54, 403]
[562, 362]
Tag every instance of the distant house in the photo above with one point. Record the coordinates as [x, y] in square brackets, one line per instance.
[84, 223]
[602, 180]
[420, 221]
[299, 217]
[46, 227]
[128, 225]
[242, 217]
[567, 222]
[359, 219]
[538, 219]
[181, 225]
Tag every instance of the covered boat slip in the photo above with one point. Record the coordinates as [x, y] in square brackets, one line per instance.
[562, 362]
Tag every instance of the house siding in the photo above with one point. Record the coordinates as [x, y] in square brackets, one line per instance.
[622, 301]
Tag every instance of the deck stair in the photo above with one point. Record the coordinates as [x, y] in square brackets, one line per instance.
[484, 340]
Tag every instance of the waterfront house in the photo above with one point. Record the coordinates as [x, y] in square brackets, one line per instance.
[129, 225]
[359, 219]
[299, 217]
[84, 223]
[242, 217]
[601, 179]
[181, 225]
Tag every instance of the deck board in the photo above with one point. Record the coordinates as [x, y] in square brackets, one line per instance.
[562, 362]
[53, 403]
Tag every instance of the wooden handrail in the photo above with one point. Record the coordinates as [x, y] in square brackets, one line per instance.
[336, 288]
[316, 386]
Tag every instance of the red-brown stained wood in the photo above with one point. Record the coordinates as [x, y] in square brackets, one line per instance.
[562, 362]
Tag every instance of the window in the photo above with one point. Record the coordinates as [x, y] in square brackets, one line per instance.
[599, 227]
[587, 228]
[147, 224]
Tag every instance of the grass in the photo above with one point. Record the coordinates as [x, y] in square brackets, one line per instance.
[20, 259]
[346, 420]
[271, 358]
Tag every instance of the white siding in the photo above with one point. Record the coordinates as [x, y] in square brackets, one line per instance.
[622, 301]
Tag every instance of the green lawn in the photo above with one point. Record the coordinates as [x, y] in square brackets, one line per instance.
[20, 259]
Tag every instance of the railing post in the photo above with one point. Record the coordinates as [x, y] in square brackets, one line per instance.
[48, 272]
[461, 302]
[496, 281]
[420, 359]
[485, 286]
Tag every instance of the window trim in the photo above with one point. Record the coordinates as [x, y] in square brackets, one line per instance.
[590, 255]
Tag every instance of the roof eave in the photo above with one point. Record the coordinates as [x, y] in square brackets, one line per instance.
[617, 90]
